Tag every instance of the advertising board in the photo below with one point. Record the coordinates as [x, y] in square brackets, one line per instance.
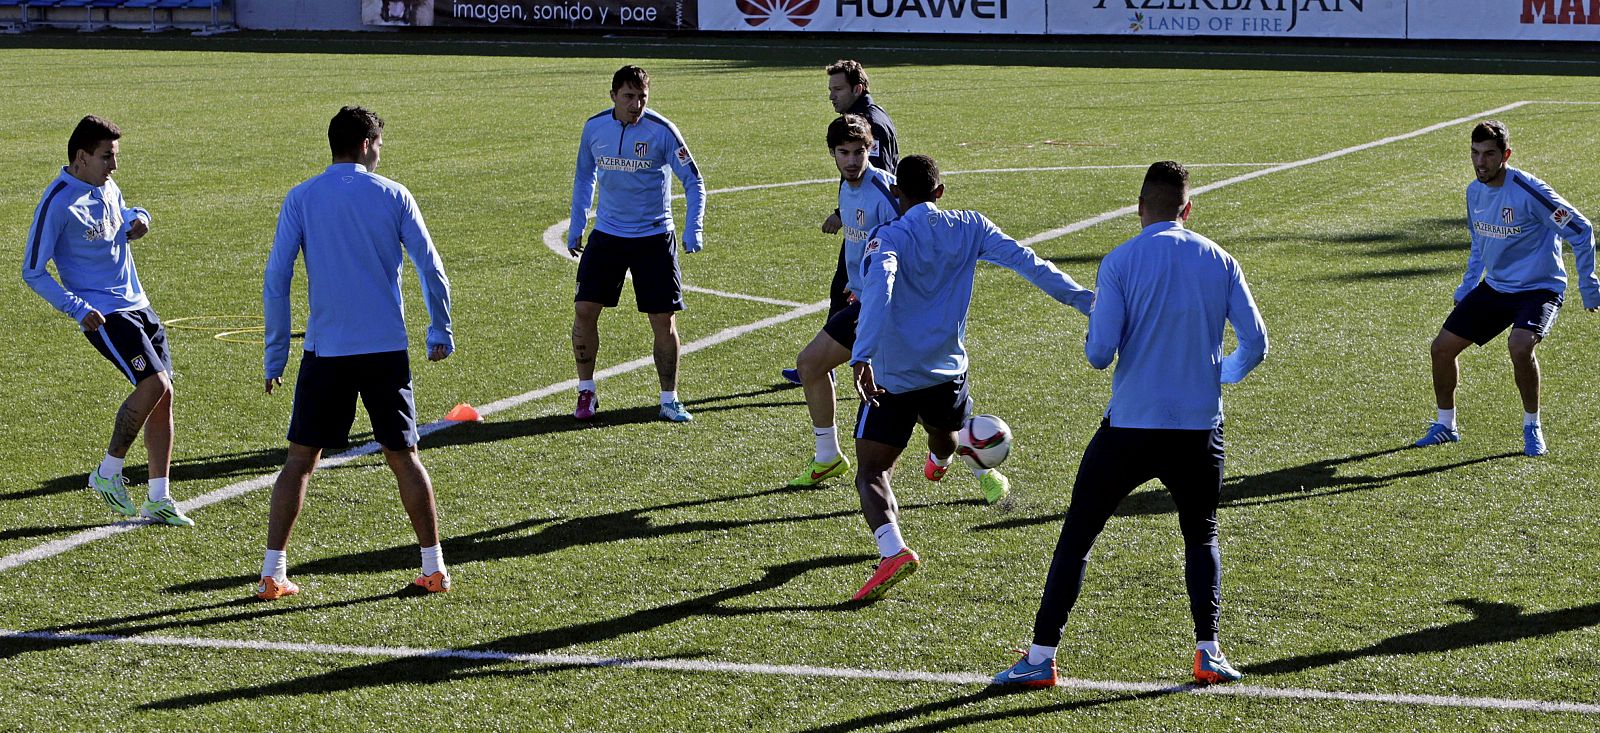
[875, 16]
[1249, 18]
[566, 14]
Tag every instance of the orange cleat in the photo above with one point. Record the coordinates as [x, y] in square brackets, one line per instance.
[270, 589]
[436, 583]
[933, 471]
[890, 570]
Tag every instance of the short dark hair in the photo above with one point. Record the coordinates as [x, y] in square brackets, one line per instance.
[630, 75]
[1166, 188]
[1492, 130]
[849, 129]
[90, 132]
[348, 129]
[853, 73]
[917, 176]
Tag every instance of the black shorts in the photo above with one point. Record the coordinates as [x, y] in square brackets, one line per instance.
[940, 407]
[325, 399]
[607, 259]
[841, 326]
[1485, 312]
[135, 341]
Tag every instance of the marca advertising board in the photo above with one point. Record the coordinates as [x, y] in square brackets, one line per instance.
[893, 16]
[567, 14]
[1250, 18]
[1519, 20]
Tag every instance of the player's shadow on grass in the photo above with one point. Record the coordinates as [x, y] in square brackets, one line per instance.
[26, 532]
[443, 669]
[1296, 483]
[165, 619]
[203, 468]
[1491, 623]
[544, 535]
[498, 430]
[890, 717]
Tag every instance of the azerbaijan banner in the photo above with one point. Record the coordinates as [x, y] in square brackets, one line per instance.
[602, 15]
[1248, 18]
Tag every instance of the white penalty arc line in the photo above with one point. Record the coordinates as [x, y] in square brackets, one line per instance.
[554, 240]
[793, 670]
[57, 547]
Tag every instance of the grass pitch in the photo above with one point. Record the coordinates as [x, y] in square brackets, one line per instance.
[1351, 564]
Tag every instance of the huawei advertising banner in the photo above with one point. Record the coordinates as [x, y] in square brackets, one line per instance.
[875, 16]
[603, 15]
[1250, 18]
[1507, 20]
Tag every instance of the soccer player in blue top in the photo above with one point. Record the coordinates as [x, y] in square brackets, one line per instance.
[910, 357]
[354, 226]
[1517, 222]
[865, 201]
[628, 149]
[1162, 299]
[848, 93]
[85, 226]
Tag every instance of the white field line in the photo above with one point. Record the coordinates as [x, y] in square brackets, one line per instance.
[554, 235]
[792, 670]
[1086, 223]
[56, 547]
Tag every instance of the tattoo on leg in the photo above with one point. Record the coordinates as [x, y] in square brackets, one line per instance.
[581, 353]
[128, 422]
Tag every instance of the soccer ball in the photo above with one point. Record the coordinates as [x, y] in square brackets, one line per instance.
[984, 441]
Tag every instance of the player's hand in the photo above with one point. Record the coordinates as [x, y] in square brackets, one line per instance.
[92, 321]
[137, 229]
[692, 243]
[438, 352]
[273, 382]
[866, 386]
[851, 297]
[832, 224]
[575, 249]
[1594, 309]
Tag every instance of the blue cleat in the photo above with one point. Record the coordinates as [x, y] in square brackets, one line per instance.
[1210, 670]
[675, 412]
[1438, 434]
[1533, 440]
[1023, 674]
[792, 376]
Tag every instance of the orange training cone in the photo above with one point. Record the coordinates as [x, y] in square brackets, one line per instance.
[463, 413]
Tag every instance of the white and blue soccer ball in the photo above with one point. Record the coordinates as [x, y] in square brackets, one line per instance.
[984, 441]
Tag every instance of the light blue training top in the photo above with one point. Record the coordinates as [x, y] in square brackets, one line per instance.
[917, 288]
[85, 230]
[1162, 298]
[630, 163]
[862, 207]
[1515, 227]
[353, 226]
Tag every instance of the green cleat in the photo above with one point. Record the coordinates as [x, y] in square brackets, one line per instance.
[995, 486]
[819, 472]
[114, 490]
[165, 511]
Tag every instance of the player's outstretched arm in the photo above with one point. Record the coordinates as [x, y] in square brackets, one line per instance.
[1006, 252]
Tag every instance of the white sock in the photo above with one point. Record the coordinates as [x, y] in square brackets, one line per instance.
[110, 466]
[586, 385]
[1209, 647]
[669, 396]
[158, 489]
[1530, 418]
[432, 559]
[276, 565]
[1447, 418]
[889, 540]
[978, 472]
[1038, 654]
[941, 462]
[827, 443]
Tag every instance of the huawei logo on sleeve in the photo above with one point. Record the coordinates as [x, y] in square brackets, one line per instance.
[758, 12]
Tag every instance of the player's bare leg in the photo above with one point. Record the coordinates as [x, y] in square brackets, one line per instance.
[1446, 375]
[881, 511]
[1525, 365]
